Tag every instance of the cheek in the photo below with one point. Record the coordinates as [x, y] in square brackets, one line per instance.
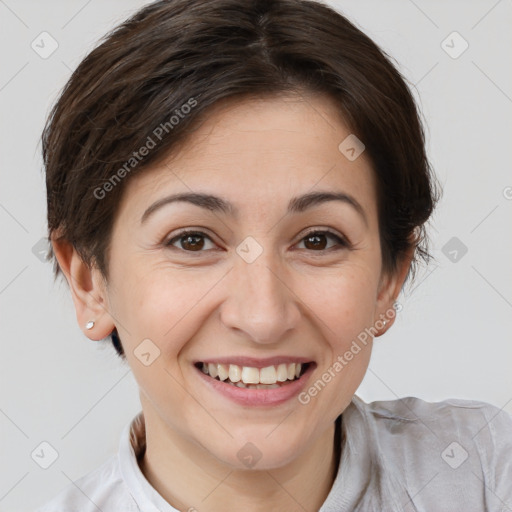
[158, 315]
[161, 305]
[343, 302]
[344, 307]
[345, 310]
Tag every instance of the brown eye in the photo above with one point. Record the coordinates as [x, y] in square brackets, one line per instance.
[190, 241]
[316, 240]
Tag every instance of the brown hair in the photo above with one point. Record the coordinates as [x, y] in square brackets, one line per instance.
[155, 75]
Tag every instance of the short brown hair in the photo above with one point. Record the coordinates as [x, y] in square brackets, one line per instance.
[173, 53]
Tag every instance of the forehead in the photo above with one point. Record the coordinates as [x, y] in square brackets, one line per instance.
[261, 151]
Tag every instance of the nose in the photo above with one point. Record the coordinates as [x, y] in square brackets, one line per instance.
[260, 302]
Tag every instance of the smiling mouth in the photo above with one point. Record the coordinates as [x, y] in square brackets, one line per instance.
[270, 377]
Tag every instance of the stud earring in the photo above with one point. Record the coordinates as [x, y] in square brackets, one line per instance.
[89, 324]
[384, 322]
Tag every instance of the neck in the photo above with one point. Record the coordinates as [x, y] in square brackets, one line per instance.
[189, 478]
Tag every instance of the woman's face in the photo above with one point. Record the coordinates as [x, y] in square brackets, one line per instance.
[261, 285]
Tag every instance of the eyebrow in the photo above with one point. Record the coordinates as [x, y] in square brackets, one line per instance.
[217, 204]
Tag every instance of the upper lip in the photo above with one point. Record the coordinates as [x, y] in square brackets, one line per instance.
[255, 362]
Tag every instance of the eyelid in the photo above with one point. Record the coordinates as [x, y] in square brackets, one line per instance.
[328, 231]
[342, 241]
[188, 231]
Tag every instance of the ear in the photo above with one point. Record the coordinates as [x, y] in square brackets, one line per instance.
[88, 290]
[389, 289]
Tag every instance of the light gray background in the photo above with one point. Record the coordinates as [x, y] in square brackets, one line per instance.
[452, 337]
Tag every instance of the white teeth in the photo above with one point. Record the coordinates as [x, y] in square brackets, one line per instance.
[235, 373]
[212, 370]
[251, 375]
[248, 376]
[282, 372]
[268, 375]
[223, 371]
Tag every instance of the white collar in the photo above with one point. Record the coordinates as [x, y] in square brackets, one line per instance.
[351, 476]
[132, 446]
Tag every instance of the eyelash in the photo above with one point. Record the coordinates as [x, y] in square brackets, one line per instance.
[343, 243]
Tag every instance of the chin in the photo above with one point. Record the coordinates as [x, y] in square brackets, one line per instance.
[257, 450]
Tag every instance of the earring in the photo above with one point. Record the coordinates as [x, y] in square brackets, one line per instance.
[384, 322]
[89, 324]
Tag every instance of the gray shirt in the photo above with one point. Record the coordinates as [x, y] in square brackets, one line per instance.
[404, 455]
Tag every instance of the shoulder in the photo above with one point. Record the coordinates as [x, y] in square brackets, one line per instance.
[460, 450]
[472, 423]
[101, 489]
[449, 410]
[481, 420]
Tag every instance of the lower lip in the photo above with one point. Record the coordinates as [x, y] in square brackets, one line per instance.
[261, 397]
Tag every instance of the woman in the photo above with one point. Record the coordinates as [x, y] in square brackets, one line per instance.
[237, 193]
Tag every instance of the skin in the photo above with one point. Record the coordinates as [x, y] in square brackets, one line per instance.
[294, 299]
